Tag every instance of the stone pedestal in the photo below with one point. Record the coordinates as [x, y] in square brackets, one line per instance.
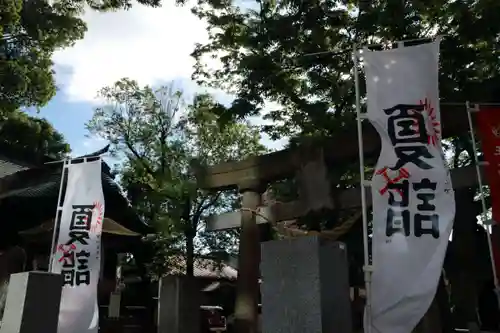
[32, 305]
[178, 305]
[305, 286]
[114, 305]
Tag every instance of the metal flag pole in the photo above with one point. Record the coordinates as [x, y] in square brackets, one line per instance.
[484, 216]
[53, 245]
[366, 268]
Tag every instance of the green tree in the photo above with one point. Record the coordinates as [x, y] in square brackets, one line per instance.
[30, 32]
[35, 136]
[161, 141]
[298, 53]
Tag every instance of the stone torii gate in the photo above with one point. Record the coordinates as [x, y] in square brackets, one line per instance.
[251, 177]
[350, 198]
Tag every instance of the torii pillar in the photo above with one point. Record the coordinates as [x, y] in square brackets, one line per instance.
[246, 306]
[251, 181]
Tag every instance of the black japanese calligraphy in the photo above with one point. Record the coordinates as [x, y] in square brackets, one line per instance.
[398, 218]
[80, 224]
[68, 277]
[81, 218]
[397, 221]
[407, 131]
[82, 275]
[412, 154]
[78, 236]
[407, 126]
[426, 221]
[75, 268]
[402, 198]
[74, 261]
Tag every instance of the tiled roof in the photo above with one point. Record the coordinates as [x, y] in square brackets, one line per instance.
[8, 167]
[27, 185]
[46, 181]
[205, 268]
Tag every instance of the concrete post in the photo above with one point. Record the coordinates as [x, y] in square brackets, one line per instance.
[33, 301]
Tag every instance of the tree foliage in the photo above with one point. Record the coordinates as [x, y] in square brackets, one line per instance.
[31, 135]
[161, 140]
[30, 32]
[298, 53]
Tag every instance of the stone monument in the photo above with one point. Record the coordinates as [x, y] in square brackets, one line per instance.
[305, 286]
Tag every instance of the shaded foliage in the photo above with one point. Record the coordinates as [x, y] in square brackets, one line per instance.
[36, 136]
[298, 53]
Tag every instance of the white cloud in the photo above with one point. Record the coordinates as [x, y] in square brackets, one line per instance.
[146, 44]
[88, 145]
[91, 143]
[150, 45]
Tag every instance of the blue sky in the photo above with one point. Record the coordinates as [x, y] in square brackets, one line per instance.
[150, 45]
[69, 118]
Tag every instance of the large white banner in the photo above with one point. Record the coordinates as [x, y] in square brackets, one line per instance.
[78, 248]
[413, 199]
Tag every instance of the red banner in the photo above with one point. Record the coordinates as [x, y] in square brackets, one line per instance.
[488, 122]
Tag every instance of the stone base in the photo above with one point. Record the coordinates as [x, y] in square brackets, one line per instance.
[33, 301]
[305, 286]
[179, 307]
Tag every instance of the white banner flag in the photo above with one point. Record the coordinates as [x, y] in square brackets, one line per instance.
[78, 248]
[413, 200]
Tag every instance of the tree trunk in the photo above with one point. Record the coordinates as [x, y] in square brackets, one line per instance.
[463, 273]
[246, 307]
[189, 252]
[149, 324]
[190, 234]
[443, 301]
